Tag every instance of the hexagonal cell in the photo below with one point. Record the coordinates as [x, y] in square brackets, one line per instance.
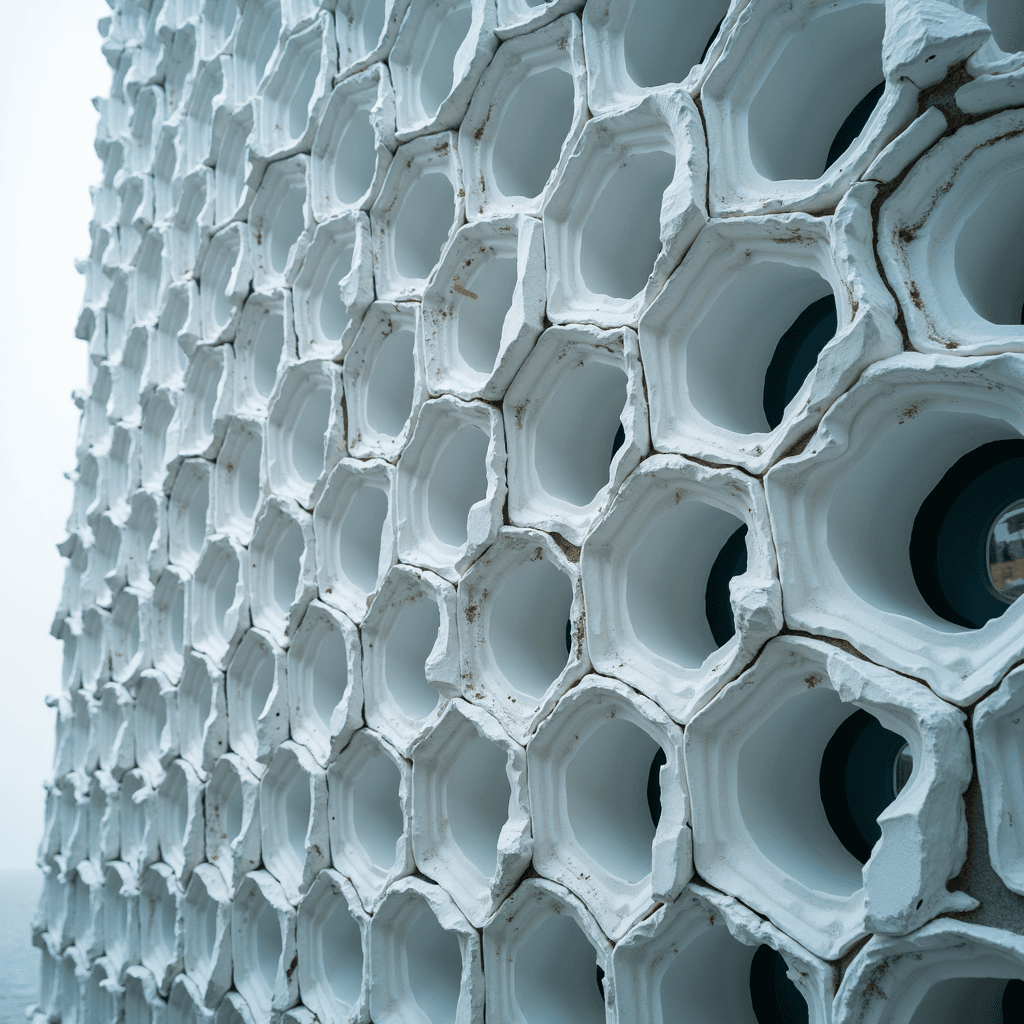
[410, 654]
[515, 139]
[152, 278]
[369, 788]
[206, 924]
[325, 685]
[134, 219]
[263, 945]
[280, 224]
[484, 308]
[471, 815]
[218, 604]
[450, 486]
[234, 1009]
[355, 534]
[999, 745]
[187, 238]
[679, 581]
[165, 162]
[256, 35]
[169, 622]
[156, 725]
[127, 377]
[264, 346]
[204, 115]
[143, 550]
[768, 295]
[148, 115]
[305, 430]
[237, 487]
[334, 287]
[333, 944]
[282, 570]
[643, 173]
[800, 106]
[86, 903]
[177, 330]
[610, 805]
[353, 145]
[921, 582]
[521, 628]
[217, 26]
[100, 580]
[102, 996]
[142, 1001]
[159, 926]
[206, 400]
[425, 958]
[104, 817]
[384, 385]
[120, 915]
[420, 207]
[290, 100]
[179, 814]
[160, 459]
[238, 172]
[202, 713]
[93, 647]
[129, 636]
[944, 972]
[811, 795]
[947, 241]
[577, 427]
[85, 756]
[233, 820]
[188, 513]
[708, 950]
[293, 819]
[257, 698]
[634, 46]
[224, 278]
[546, 961]
[185, 1003]
[366, 31]
[115, 733]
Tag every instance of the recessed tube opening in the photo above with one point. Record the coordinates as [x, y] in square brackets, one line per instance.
[376, 812]
[422, 224]
[250, 681]
[408, 646]
[577, 430]
[477, 796]
[359, 536]
[371, 22]
[525, 625]
[392, 379]
[606, 798]
[332, 314]
[266, 352]
[433, 962]
[356, 159]
[664, 39]
[480, 320]
[286, 565]
[971, 999]
[677, 586]
[328, 675]
[438, 71]
[818, 94]
[267, 930]
[299, 89]
[457, 482]
[342, 950]
[287, 225]
[308, 430]
[621, 238]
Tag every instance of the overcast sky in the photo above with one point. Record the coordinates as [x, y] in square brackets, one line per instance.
[50, 69]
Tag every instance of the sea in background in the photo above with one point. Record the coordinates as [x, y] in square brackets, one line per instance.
[19, 959]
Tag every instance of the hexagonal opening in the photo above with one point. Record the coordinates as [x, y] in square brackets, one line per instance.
[664, 39]
[355, 160]
[341, 950]
[250, 682]
[458, 480]
[433, 962]
[308, 417]
[208, 372]
[481, 320]
[218, 266]
[437, 71]
[231, 170]
[476, 801]
[225, 814]
[1004, 18]
[818, 95]
[157, 916]
[172, 807]
[406, 649]
[258, 30]
[238, 477]
[422, 225]
[621, 237]
[286, 806]
[374, 811]
[289, 93]
[267, 932]
[187, 512]
[359, 536]
[958, 999]
[284, 222]
[989, 256]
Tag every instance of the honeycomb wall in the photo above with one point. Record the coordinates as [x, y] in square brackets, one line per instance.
[547, 519]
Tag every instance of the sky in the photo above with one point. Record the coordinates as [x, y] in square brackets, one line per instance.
[50, 68]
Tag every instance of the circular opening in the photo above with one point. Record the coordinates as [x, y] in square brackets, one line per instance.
[706, 978]
[422, 225]
[773, 997]
[302, 93]
[779, 788]
[476, 803]
[297, 807]
[372, 23]
[1006, 19]
[554, 975]
[989, 253]
[287, 225]
[333, 316]
[330, 675]
[577, 430]
[665, 38]
[392, 378]
[860, 769]
[533, 128]
[966, 544]
[749, 354]
[266, 353]
[669, 576]
[409, 644]
[359, 537]
[342, 950]
[356, 157]
[526, 624]
[813, 94]
[480, 315]
[606, 798]
[438, 73]
[953, 1000]
[377, 809]
[268, 944]
[621, 238]
[309, 434]
[458, 481]
[287, 558]
[247, 476]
